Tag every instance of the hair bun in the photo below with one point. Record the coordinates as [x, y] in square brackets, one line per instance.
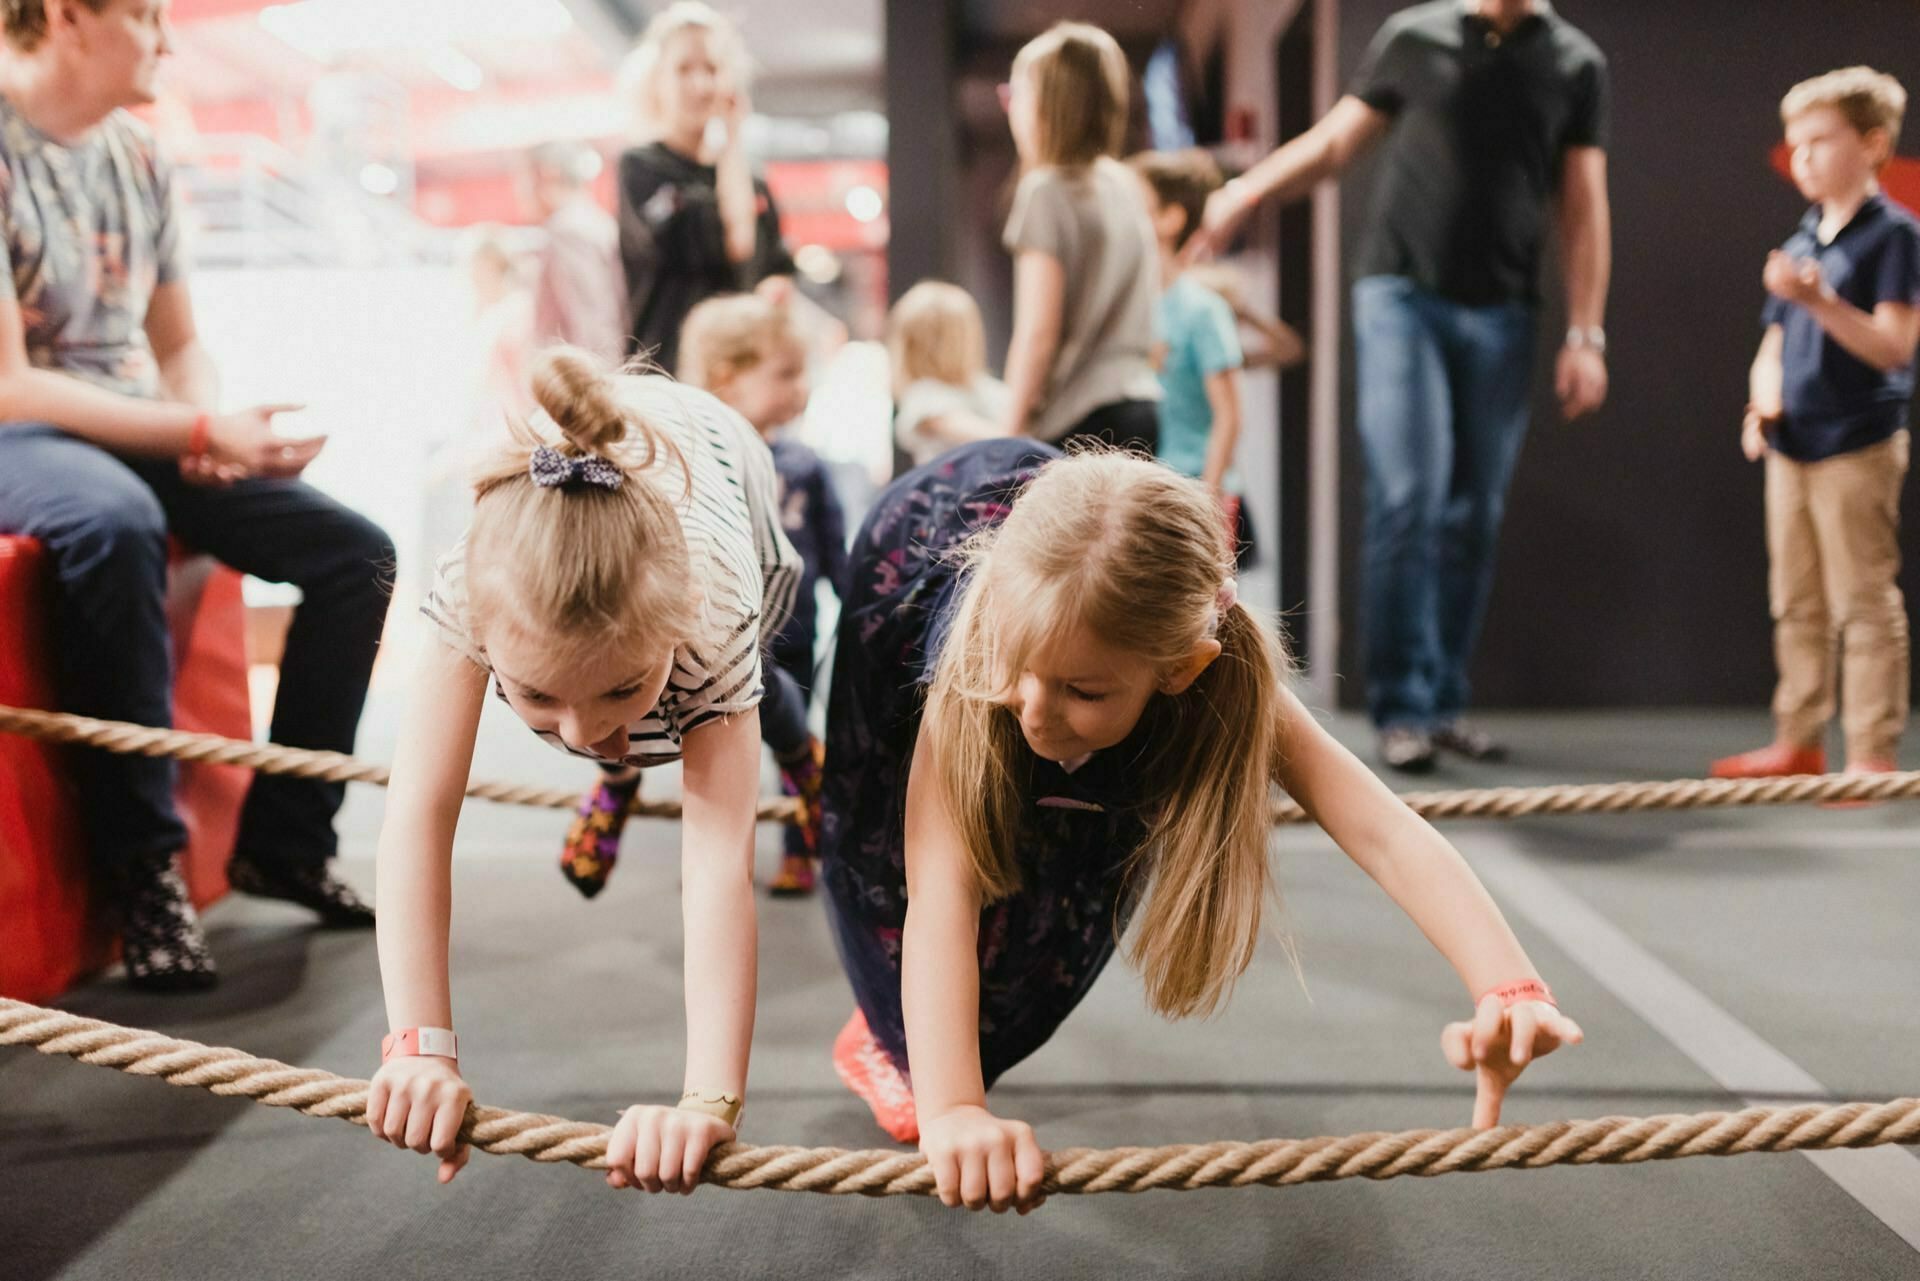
[576, 392]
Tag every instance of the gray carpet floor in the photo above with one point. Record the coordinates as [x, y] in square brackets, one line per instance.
[1710, 957]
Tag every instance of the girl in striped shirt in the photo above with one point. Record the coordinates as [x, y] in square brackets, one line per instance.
[624, 559]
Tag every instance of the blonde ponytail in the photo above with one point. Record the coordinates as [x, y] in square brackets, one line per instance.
[584, 566]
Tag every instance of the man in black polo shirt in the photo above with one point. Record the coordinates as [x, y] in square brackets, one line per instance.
[1491, 109]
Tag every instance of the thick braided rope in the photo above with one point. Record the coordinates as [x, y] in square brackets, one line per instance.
[1488, 802]
[301, 762]
[1177, 1167]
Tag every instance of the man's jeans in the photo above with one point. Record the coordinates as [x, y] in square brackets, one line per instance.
[1443, 397]
[104, 521]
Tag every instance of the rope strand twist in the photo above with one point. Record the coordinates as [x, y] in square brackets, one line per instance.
[1484, 802]
[1614, 1140]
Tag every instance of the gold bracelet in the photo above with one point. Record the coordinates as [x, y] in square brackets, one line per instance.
[717, 1103]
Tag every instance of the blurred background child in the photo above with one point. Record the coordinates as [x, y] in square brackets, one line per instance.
[943, 394]
[1198, 351]
[746, 350]
[1079, 364]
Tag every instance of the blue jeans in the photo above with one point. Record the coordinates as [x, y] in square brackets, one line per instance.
[104, 521]
[1443, 397]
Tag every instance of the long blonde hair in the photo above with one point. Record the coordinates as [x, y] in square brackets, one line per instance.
[586, 567]
[1136, 554]
[934, 331]
[726, 336]
[1079, 79]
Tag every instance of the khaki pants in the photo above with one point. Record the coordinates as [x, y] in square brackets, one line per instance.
[1833, 540]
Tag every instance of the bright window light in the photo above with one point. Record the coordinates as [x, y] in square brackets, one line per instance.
[817, 263]
[327, 30]
[456, 68]
[864, 203]
[380, 180]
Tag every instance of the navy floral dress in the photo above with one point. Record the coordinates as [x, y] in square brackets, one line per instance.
[1041, 949]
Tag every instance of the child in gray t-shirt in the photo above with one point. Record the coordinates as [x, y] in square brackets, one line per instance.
[1086, 264]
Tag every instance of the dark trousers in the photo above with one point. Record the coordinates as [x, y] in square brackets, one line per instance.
[1130, 424]
[783, 714]
[104, 521]
[783, 708]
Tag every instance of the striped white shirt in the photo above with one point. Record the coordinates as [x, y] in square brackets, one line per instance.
[735, 547]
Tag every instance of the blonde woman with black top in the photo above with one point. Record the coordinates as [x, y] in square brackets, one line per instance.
[694, 221]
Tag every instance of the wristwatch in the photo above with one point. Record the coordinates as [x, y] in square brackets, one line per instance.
[1589, 337]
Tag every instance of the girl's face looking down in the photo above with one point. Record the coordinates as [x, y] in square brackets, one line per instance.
[1077, 694]
[589, 703]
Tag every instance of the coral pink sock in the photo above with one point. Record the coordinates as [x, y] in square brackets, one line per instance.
[869, 1073]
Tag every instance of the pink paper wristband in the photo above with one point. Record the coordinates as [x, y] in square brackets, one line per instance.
[411, 1042]
[1512, 994]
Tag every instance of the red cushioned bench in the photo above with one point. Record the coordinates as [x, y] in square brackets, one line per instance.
[51, 933]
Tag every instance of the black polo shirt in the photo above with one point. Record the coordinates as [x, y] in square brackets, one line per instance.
[1480, 121]
[1834, 401]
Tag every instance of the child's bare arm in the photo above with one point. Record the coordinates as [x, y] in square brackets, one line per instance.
[720, 782]
[1884, 338]
[413, 876]
[958, 427]
[978, 1159]
[1764, 396]
[1764, 377]
[418, 1102]
[1223, 438]
[939, 974]
[1281, 346]
[1039, 293]
[1412, 862]
[1434, 886]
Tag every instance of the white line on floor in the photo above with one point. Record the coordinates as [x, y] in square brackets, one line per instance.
[1826, 840]
[1886, 1180]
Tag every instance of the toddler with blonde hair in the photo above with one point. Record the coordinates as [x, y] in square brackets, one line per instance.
[942, 393]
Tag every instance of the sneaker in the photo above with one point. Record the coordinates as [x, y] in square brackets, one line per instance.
[1469, 741]
[801, 775]
[795, 878]
[1869, 766]
[162, 943]
[316, 889]
[866, 1069]
[1775, 760]
[1406, 749]
[593, 840]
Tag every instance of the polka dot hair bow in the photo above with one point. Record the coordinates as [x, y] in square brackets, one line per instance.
[551, 469]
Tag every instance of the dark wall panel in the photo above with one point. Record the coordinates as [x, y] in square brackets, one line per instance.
[1633, 564]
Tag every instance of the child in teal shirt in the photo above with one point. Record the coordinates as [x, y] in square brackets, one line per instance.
[1197, 336]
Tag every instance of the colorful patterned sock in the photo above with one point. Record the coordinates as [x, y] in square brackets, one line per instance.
[795, 878]
[593, 840]
[801, 775]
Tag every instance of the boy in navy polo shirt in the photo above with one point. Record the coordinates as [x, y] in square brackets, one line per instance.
[1829, 391]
